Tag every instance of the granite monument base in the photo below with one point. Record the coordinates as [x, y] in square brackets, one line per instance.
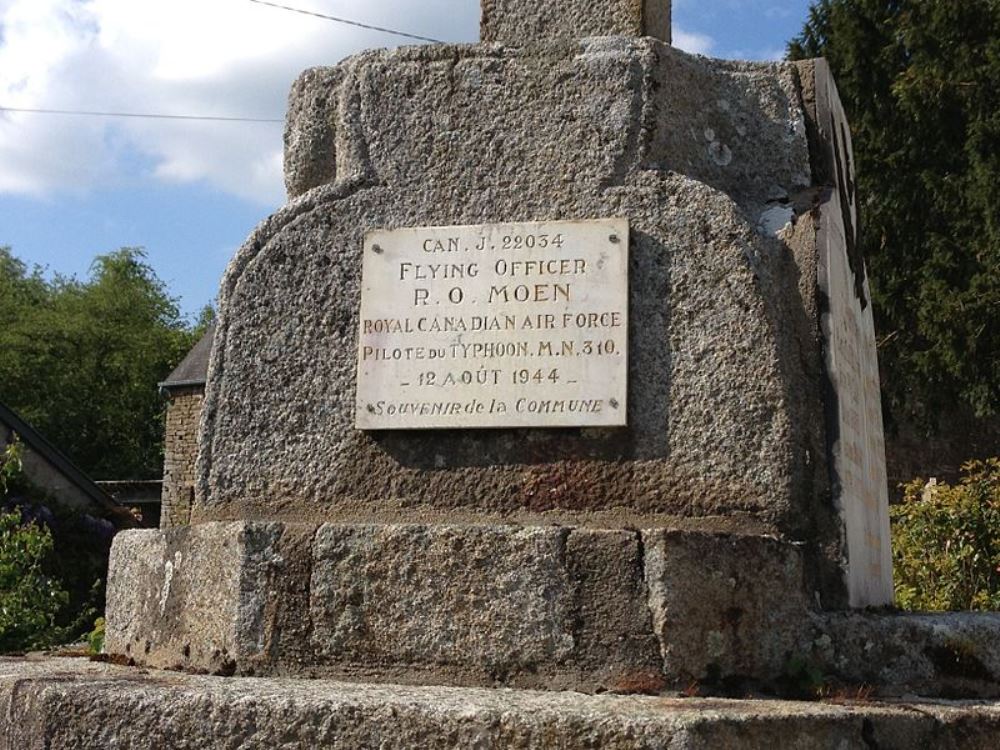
[551, 607]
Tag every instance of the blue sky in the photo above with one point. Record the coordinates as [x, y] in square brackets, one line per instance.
[72, 187]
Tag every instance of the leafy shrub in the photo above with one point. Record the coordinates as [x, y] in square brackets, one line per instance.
[96, 637]
[946, 542]
[30, 599]
[10, 465]
[52, 563]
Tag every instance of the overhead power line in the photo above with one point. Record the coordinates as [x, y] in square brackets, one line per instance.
[349, 22]
[142, 115]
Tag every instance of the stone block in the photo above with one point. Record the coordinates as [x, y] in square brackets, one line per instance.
[484, 605]
[191, 597]
[947, 654]
[726, 606]
[494, 596]
[478, 605]
[542, 607]
[519, 22]
[614, 634]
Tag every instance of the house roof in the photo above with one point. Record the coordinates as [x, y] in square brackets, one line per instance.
[193, 369]
[34, 440]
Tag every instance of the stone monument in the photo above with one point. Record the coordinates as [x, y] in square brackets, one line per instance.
[557, 371]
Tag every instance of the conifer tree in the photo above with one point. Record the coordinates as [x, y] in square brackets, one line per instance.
[920, 81]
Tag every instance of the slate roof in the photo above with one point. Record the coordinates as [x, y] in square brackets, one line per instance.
[193, 369]
[57, 459]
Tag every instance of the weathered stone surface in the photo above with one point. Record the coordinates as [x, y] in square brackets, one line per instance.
[540, 607]
[558, 119]
[519, 22]
[192, 596]
[553, 607]
[570, 131]
[946, 654]
[613, 633]
[445, 595]
[310, 154]
[72, 704]
[482, 557]
[725, 606]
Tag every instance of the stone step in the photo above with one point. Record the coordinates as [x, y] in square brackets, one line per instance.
[48, 702]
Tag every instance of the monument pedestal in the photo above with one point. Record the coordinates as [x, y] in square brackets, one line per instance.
[542, 607]
[558, 608]
[391, 485]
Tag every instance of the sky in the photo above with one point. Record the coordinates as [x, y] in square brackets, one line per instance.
[190, 191]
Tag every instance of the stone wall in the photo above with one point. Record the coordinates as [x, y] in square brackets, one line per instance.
[179, 453]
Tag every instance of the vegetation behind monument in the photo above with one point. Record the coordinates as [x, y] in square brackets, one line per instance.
[81, 359]
[53, 563]
[918, 82]
[947, 542]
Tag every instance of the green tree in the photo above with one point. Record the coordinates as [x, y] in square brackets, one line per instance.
[81, 359]
[919, 82]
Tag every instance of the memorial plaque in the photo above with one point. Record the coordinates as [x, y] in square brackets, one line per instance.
[496, 325]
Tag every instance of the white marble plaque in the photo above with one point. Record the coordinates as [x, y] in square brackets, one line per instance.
[496, 325]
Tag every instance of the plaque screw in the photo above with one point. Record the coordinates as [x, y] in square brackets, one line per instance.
[614, 238]
[371, 408]
[377, 249]
[614, 403]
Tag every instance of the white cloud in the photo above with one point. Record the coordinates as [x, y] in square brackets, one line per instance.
[222, 57]
[225, 57]
[699, 44]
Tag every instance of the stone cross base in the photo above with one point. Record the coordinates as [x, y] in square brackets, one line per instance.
[539, 607]
[743, 500]
[589, 610]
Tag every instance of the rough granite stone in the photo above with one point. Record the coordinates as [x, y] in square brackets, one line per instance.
[946, 654]
[71, 704]
[518, 22]
[310, 129]
[515, 557]
[442, 595]
[541, 607]
[571, 130]
[480, 605]
[746, 594]
[192, 596]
